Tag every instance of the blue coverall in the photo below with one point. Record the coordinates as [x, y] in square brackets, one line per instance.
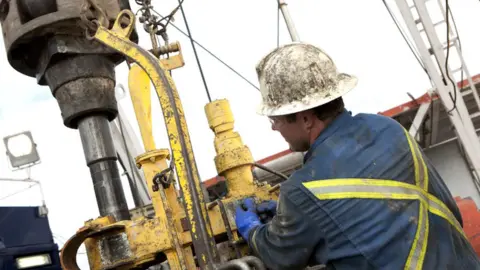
[360, 233]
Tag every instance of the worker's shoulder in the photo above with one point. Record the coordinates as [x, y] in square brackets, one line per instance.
[376, 127]
[306, 173]
[293, 188]
[376, 120]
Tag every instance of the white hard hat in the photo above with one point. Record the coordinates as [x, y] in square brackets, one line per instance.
[297, 77]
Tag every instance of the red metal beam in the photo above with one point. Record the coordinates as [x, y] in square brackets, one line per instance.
[423, 99]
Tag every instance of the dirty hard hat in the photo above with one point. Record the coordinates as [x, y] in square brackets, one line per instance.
[297, 77]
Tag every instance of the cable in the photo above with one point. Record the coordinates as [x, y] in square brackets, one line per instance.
[214, 56]
[17, 192]
[410, 46]
[170, 16]
[194, 50]
[454, 98]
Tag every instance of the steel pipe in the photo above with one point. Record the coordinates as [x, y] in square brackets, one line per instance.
[101, 158]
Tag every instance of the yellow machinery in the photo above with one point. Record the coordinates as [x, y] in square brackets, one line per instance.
[73, 46]
[185, 230]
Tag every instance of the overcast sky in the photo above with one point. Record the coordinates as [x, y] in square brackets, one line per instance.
[359, 35]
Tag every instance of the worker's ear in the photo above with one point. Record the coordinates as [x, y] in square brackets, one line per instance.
[307, 118]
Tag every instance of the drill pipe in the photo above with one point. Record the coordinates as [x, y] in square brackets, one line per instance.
[101, 158]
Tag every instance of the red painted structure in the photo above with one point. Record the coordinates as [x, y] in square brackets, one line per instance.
[471, 221]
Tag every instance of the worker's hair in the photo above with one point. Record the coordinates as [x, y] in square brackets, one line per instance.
[323, 112]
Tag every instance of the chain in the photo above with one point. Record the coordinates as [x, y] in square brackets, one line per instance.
[99, 17]
[153, 22]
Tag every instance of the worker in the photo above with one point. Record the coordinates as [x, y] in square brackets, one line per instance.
[366, 196]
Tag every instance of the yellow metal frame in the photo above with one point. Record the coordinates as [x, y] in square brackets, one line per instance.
[143, 241]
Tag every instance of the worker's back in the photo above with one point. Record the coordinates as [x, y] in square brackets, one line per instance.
[374, 232]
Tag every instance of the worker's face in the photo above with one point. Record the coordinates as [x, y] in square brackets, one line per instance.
[295, 133]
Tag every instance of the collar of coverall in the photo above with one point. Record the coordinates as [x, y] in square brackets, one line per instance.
[341, 120]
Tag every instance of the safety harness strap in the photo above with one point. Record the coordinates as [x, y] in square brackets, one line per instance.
[380, 189]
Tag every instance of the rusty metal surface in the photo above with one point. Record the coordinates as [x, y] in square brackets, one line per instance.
[234, 159]
[115, 251]
[100, 226]
[24, 34]
[228, 228]
[27, 25]
[178, 135]
[59, 47]
[68, 256]
[83, 85]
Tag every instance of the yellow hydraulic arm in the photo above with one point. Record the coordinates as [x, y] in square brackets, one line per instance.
[185, 231]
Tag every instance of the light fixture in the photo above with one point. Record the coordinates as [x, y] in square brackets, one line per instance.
[33, 261]
[21, 150]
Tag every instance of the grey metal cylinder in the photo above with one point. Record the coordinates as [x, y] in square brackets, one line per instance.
[83, 85]
[101, 158]
[97, 139]
[285, 164]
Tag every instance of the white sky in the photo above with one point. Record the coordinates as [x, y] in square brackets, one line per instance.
[359, 35]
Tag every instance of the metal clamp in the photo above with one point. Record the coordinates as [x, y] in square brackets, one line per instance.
[68, 255]
[171, 62]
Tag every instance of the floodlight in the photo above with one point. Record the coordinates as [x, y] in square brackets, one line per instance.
[33, 261]
[21, 150]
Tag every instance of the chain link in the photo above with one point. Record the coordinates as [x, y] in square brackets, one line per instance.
[99, 17]
[153, 22]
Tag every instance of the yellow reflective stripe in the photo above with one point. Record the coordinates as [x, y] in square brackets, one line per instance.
[420, 167]
[380, 189]
[419, 247]
[253, 240]
[415, 159]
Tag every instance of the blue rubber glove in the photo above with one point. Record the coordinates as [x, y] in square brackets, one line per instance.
[267, 207]
[266, 210]
[246, 218]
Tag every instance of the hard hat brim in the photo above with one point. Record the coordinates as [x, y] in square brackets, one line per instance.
[344, 86]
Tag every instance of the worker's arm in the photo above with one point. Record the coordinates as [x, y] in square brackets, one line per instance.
[290, 239]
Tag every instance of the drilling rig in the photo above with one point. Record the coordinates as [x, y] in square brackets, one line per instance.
[73, 46]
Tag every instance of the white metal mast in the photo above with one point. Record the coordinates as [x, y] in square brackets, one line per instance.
[433, 53]
[128, 147]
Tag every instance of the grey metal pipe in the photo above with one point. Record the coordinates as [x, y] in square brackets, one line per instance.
[244, 263]
[234, 264]
[254, 262]
[101, 158]
[288, 20]
[97, 139]
[286, 165]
